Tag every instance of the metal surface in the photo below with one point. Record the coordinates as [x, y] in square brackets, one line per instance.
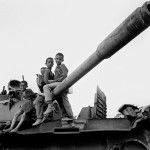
[89, 140]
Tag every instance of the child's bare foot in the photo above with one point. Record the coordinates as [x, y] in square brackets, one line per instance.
[38, 121]
[7, 130]
[14, 130]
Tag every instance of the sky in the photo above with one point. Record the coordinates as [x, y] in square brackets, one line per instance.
[33, 30]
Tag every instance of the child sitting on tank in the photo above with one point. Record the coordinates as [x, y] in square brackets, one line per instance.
[61, 72]
[27, 97]
[42, 79]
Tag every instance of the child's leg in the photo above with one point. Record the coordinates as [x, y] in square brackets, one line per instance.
[23, 116]
[48, 95]
[17, 114]
[66, 104]
[39, 107]
[48, 91]
[39, 104]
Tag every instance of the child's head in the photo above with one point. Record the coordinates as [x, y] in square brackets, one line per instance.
[43, 70]
[49, 62]
[59, 58]
[23, 85]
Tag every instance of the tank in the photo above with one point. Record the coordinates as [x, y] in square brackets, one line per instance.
[130, 130]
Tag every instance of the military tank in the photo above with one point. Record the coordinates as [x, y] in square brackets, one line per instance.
[91, 129]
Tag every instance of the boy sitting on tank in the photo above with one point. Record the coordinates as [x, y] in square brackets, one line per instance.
[61, 72]
[42, 79]
[27, 97]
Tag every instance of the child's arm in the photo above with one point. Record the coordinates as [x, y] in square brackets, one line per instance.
[46, 75]
[51, 81]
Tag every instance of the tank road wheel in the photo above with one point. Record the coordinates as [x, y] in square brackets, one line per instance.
[134, 144]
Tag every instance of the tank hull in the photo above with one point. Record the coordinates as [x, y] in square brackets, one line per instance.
[96, 136]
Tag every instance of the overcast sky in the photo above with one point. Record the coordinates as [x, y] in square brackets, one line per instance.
[32, 30]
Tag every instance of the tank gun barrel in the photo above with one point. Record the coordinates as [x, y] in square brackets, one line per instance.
[132, 26]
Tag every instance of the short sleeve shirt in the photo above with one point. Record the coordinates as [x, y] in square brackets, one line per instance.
[60, 71]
